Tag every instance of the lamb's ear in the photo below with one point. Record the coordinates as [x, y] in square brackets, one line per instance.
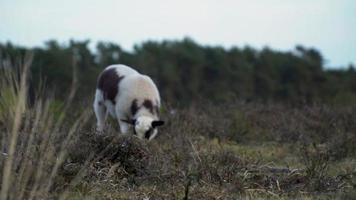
[157, 123]
[132, 121]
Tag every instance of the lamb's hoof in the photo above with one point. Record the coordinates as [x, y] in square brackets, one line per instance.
[99, 131]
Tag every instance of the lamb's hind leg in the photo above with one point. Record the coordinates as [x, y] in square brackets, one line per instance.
[100, 113]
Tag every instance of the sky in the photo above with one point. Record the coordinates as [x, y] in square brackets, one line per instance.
[327, 25]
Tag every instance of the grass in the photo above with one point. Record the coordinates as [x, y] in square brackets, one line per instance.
[234, 151]
[212, 166]
[33, 140]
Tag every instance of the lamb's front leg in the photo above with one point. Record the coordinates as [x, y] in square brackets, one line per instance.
[100, 113]
[124, 127]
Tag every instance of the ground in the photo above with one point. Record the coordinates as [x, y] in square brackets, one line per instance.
[234, 151]
[194, 158]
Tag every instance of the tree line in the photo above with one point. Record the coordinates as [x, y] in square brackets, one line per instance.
[187, 72]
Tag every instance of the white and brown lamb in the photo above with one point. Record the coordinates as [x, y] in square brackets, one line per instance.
[131, 98]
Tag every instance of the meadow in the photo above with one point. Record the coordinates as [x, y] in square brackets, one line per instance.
[236, 150]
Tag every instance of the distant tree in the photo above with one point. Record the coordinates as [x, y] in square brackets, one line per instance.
[108, 53]
[187, 72]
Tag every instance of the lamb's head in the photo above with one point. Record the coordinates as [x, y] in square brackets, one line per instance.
[145, 127]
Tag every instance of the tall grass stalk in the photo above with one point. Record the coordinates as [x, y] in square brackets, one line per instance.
[20, 108]
[34, 139]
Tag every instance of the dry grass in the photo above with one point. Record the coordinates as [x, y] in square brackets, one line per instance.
[186, 161]
[34, 140]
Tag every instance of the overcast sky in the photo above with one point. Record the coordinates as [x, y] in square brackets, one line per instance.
[328, 25]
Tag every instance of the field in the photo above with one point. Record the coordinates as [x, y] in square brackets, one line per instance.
[50, 150]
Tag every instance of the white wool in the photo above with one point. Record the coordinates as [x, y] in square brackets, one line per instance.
[122, 70]
[138, 87]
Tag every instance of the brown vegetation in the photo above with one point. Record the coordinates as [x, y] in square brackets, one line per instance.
[228, 151]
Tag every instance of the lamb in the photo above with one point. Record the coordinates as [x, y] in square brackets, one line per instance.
[130, 97]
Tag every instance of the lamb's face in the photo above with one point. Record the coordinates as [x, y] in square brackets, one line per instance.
[143, 128]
